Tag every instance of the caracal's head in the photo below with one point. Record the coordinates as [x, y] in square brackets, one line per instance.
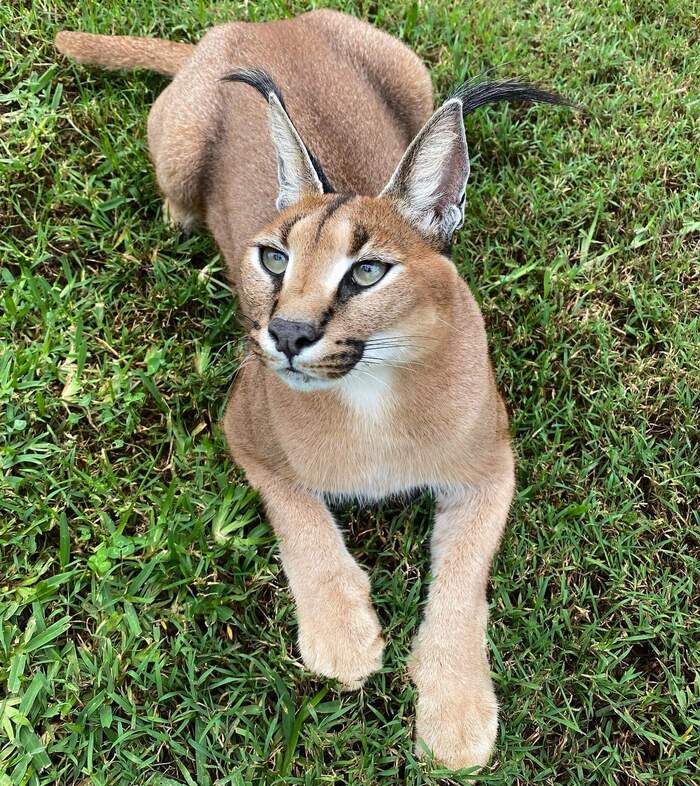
[340, 285]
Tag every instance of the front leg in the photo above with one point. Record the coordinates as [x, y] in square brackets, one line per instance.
[339, 634]
[457, 711]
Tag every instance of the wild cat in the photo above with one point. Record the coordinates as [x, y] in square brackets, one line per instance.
[371, 374]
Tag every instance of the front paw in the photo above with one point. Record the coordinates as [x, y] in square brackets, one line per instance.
[339, 634]
[457, 722]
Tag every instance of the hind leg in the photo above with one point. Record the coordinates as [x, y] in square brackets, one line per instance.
[176, 215]
[174, 161]
[176, 140]
[183, 126]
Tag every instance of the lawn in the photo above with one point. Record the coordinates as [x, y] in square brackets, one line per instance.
[146, 631]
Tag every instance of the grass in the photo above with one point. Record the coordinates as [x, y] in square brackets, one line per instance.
[147, 635]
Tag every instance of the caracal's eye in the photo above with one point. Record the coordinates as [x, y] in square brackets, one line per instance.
[274, 260]
[367, 273]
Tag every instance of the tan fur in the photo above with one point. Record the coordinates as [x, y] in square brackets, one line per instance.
[422, 412]
[121, 51]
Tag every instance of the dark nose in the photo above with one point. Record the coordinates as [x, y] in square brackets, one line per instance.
[291, 337]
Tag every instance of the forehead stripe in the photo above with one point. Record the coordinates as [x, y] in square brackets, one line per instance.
[286, 228]
[359, 237]
[328, 212]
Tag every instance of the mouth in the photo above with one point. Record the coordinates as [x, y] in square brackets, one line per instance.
[291, 373]
[323, 373]
[318, 376]
[304, 381]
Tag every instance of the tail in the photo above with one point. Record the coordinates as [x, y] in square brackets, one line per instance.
[121, 51]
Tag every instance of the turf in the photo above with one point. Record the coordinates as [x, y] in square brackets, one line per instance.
[147, 635]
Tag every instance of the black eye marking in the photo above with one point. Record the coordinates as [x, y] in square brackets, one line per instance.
[326, 317]
[347, 289]
[276, 282]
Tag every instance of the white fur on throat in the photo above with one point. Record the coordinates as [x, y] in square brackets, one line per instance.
[367, 390]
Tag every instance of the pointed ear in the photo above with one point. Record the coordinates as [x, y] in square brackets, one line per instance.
[296, 174]
[429, 182]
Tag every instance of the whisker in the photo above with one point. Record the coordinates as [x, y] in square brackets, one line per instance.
[444, 322]
[390, 343]
[395, 351]
[397, 344]
[248, 321]
[401, 338]
[372, 376]
[262, 355]
[386, 364]
[380, 359]
[407, 335]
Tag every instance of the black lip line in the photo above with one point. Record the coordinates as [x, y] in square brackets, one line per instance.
[310, 375]
[291, 368]
[357, 344]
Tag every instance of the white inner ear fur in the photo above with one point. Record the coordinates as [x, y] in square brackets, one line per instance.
[296, 175]
[430, 179]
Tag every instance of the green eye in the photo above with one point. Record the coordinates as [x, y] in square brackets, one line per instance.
[273, 260]
[365, 274]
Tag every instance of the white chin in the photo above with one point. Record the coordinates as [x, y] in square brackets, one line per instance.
[297, 380]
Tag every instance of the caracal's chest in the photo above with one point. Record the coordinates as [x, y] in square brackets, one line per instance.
[365, 447]
[360, 463]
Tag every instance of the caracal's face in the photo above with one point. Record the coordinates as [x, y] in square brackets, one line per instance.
[341, 288]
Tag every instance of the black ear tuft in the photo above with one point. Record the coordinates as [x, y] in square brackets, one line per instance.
[258, 79]
[265, 85]
[428, 184]
[475, 93]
